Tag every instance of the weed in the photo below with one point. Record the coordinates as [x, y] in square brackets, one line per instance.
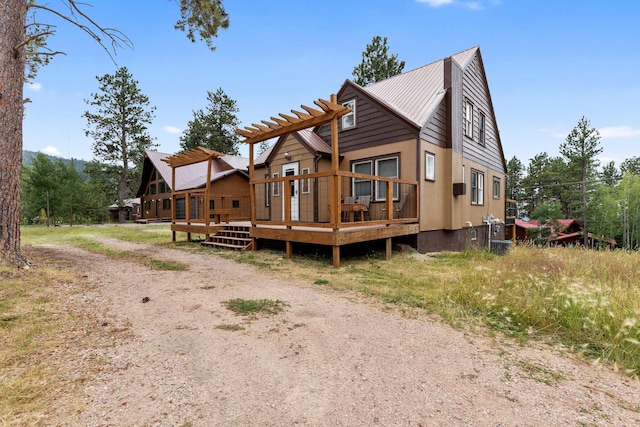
[252, 307]
[230, 327]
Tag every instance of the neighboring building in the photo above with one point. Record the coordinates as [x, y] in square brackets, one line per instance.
[131, 208]
[568, 233]
[229, 187]
[434, 126]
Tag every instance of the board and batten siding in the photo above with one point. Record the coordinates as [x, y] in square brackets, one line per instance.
[375, 125]
[476, 90]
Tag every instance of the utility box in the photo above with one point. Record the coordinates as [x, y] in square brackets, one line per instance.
[500, 247]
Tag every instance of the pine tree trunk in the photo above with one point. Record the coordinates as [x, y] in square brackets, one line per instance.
[12, 63]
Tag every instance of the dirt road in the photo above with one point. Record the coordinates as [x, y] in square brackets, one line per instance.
[330, 359]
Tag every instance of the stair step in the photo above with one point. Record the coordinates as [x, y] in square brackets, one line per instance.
[225, 245]
[231, 237]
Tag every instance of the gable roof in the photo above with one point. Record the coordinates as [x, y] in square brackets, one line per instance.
[193, 175]
[310, 140]
[416, 94]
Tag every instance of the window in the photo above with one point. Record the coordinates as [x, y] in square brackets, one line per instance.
[430, 166]
[349, 120]
[306, 182]
[235, 204]
[163, 187]
[166, 204]
[477, 188]
[362, 186]
[468, 119]
[212, 204]
[481, 125]
[181, 209]
[496, 187]
[387, 168]
[276, 185]
[474, 234]
[152, 189]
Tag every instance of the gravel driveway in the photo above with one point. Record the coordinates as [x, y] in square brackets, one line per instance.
[331, 358]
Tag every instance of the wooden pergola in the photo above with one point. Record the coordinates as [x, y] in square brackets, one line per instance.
[330, 111]
[195, 155]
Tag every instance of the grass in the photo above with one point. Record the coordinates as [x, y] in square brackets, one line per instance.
[253, 307]
[33, 329]
[583, 300]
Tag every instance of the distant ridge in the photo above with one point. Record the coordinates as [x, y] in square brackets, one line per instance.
[28, 156]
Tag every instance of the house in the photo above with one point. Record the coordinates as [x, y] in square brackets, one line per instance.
[187, 187]
[567, 233]
[131, 208]
[419, 153]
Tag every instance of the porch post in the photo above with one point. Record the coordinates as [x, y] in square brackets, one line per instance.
[388, 249]
[335, 165]
[336, 257]
[252, 190]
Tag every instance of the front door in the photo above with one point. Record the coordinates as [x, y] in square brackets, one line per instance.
[291, 169]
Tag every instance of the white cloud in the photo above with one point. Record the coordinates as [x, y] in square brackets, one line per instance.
[171, 129]
[436, 3]
[52, 151]
[618, 132]
[34, 87]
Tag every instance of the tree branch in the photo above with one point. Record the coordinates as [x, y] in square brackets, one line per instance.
[32, 37]
[117, 38]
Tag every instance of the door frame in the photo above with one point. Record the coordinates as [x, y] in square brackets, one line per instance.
[295, 190]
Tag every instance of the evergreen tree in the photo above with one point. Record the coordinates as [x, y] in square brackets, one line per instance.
[215, 127]
[22, 49]
[515, 175]
[376, 63]
[119, 130]
[580, 150]
[631, 165]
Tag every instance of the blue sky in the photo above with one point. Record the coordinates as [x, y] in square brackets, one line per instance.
[548, 63]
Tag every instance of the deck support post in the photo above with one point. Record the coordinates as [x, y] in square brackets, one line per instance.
[188, 237]
[173, 237]
[336, 257]
[289, 249]
[388, 249]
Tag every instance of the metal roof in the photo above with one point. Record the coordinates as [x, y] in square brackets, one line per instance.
[417, 93]
[195, 175]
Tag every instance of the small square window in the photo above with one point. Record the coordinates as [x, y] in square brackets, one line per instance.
[235, 204]
[349, 119]
[474, 234]
[430, 166]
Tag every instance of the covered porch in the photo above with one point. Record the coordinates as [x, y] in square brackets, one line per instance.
[323, 207]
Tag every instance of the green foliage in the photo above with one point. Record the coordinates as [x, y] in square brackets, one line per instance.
[377, 64]
[203, 17]
[118, 128]
[547, 215]
[215, 127]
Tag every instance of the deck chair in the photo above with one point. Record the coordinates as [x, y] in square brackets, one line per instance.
[366, 201]
[347, 201]
[397, 207]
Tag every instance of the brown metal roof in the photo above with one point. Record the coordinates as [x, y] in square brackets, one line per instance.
[195, 175]
[417, 93]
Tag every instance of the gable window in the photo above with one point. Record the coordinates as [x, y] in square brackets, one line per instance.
[468, 119]
[276, 185]
[481, 128]
[362, 186]
[389, 169]
[496, 187]
[430, 166]
[306, 182]
[152, 189]
[477, 188]
[349, 120]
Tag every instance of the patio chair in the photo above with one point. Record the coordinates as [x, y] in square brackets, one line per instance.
[397, 208]
[366, 201]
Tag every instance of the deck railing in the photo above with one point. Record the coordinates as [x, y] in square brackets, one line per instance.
[334, 200]
[191, 207]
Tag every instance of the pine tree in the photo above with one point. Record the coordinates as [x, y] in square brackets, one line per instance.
[376, 63]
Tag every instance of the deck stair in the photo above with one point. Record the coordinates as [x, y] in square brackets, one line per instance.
[231, 237]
